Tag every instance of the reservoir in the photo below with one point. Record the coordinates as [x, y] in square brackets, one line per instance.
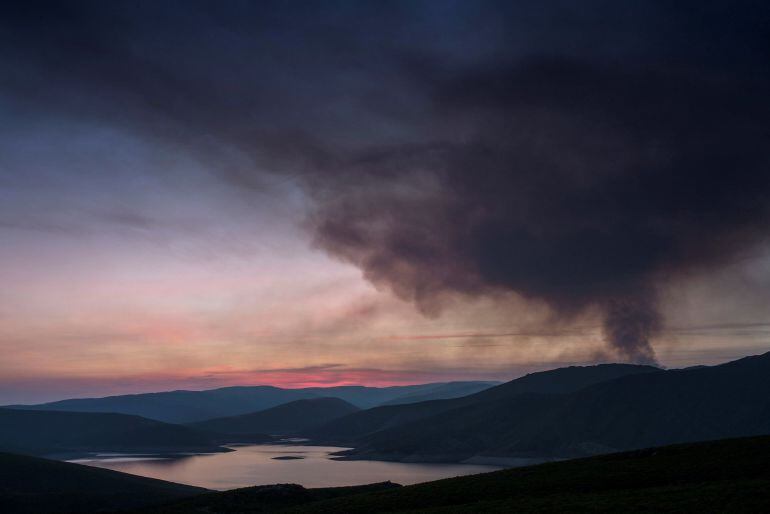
[261, 464]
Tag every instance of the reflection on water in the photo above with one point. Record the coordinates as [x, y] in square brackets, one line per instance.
[256, 464]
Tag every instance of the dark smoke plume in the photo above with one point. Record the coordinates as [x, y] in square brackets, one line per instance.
[578, 153]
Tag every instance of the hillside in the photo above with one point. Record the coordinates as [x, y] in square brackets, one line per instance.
[443, 392]
[192, 406]
[635, 411]
[285, 419]
[43, 432]
[264, 498]
[30, 485]
[352, 428]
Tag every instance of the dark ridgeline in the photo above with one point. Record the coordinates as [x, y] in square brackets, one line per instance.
[192, 406]
[634, 411]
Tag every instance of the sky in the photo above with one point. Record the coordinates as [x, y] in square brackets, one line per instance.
[200, 194]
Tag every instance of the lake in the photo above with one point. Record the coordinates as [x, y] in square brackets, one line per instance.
[250, 465]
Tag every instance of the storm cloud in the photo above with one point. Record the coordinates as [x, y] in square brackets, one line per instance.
[580, 154]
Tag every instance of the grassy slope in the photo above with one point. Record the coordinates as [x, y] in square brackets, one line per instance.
[721, 476]
[34, 485]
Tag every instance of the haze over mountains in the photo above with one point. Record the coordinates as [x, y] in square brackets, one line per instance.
[192, 406]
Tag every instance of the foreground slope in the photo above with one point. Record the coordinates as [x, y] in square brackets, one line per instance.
[352, 428]
[285, 419]
[42, 432]
[263, 499]
[635, 411]
[37, 486]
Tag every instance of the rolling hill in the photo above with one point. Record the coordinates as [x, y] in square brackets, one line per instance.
[192, 406]
[352, 428]
[634, 411]
[285, 419]
[264, 499]
[30, 485]
[44, 432]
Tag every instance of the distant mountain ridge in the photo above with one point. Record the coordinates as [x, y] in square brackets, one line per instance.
[192, 406]
[286, 419]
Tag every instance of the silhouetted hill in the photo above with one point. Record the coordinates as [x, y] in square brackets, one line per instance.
[350, 429]
[45, 432]
[634, 411]
[192, 406]
[264, 498]
[30, 485]
[443, 392]
[285, 419]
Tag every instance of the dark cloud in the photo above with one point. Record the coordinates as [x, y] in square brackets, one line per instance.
[576, 153]
[577, 185]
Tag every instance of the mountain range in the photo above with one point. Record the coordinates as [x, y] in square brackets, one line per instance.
[192, 406]
[352, 428]
[633, 410]
[563, 413]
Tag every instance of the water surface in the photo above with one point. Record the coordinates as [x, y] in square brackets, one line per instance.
[256, 465]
